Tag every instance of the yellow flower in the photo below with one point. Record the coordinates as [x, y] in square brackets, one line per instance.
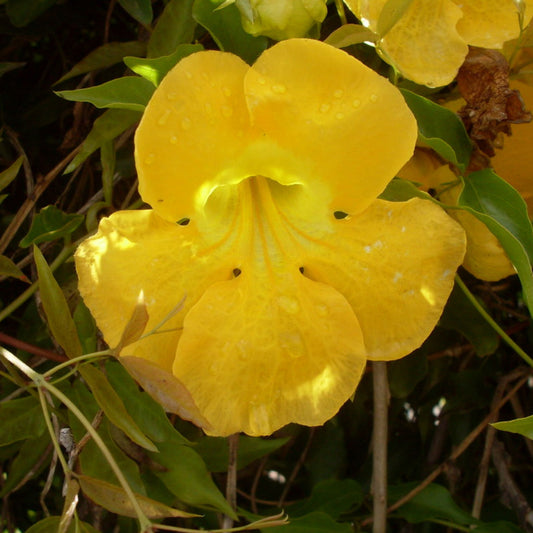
[430, 40]
[285, 299]
[281, 19]
[514, 162]
[485, 257]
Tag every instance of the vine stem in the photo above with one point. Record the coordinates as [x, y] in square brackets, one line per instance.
[231, 483]
[41, 383]
[379, 461]
[494, 325]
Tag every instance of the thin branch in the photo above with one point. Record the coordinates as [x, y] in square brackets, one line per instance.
[379, 463]
[231, 482]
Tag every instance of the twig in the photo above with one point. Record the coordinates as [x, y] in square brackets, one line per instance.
[257, 477]
[511, 491]
[379, 446]
[231, 482]
[30, 348]
[296, 469]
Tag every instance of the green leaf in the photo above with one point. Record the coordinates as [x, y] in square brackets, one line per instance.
[51, 525]
[214, 451]
[28, 460]
[22, 12]
[21, 419]
[128, 92]
[10, 173]
[113, 407]
[433, 503]
[441, 129]
[115, 499]
[225, 27]
[51, 224]
[400, 190]
[460, 315]
[154, 70]
[8, 66]
[104, 56]
[56, 308]
[105, 128]
[317, 522]
[175, 26]
[86, 327]
[349, 34]
[8, 268]
[522, 426]
[147, 412]
[406, 373]
[184, 473]
[498, 527]
[390, 14]
[333, 497]
[140, 10]
[501, 208]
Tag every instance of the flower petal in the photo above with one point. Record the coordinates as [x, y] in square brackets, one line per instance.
[335, 116]
[136, 251]
[489, 23]
[259, 352]
[395, 264]
[194, 128]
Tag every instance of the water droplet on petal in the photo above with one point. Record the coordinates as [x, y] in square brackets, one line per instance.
[339, 116]
[149, 159]
[356, 103]
[164, 118]
[186, 123]
[338, 93]
[171, 95]
[262, 81]
[324, 108]
[189, 75]
[173, 139]
[293, 344]
[227, 111]
[373, 98]
[226, 91]
[208, 108]
[289, 304]
[279, 89]
[322, 310]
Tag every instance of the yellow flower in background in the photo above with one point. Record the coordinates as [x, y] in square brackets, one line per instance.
[250, 172]
[514, 162]
[430, 40]
[485, 257]
[281, 19]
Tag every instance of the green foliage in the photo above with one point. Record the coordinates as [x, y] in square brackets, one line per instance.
[70, 413]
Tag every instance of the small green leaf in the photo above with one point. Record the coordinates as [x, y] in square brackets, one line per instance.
[460, 315]
[135, 326]
[523, 426]
[441, 129]
[105, 128]
[175, 26]
[316, 522]
[21, 419]
[51, 525]
[56, 308]
[349, 34]
[390, 14]
[104, 56]
[501, 208]
[333, 497]
[406, 373]
[8, 268]
[86, 326]
[225, 27]
[184, 473]
[140, 10]
[113, 407]
[400, 190]
[129, 92]
[50, 224]
[22, 12]
[29, 459]
[432, 503]
[214, 451]
[8, 66]
[115, 499]
[154, 70]
[10, 173]
[498, 527]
